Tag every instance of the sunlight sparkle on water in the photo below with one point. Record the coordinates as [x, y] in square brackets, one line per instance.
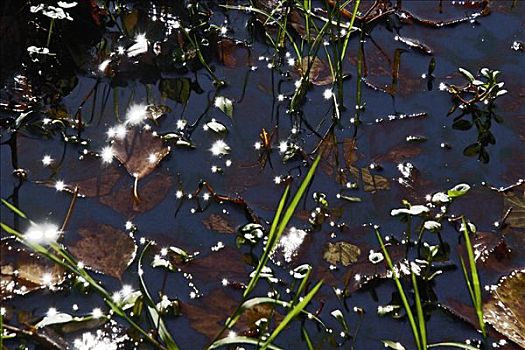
[220, 148]
[43, 233]
[136, 114]
[60, 186]
[107, 154]
[47, 160]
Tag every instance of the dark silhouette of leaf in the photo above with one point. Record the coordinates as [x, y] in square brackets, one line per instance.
[341, 253]
[23, 272]
[505, 311]
[153, 190]
[140, 152]
[178, 90]
[472, 150]
[104, 249]
[218, 223]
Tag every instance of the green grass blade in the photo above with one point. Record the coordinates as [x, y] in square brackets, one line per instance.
[152, 310]
[406, 305]
[307, 339]
[291, 315]
[269, 244]
[420, 315]
[14, 209]
[476, 286]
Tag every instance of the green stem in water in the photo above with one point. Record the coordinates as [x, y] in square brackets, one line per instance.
[50, 32]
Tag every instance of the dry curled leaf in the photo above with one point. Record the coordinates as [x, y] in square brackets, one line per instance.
[505, 310]
[104, 249]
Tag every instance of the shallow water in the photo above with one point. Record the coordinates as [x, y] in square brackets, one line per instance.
[161, 216]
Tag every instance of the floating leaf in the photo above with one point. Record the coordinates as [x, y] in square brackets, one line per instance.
[23, 272]
[218, 223]
[105, 249]
[225, 105]
[178, 90]
[458, 190]
[505, 310]
[516, 218]
[341, 253]
[393, 345]
[216, 127]
[140, 152]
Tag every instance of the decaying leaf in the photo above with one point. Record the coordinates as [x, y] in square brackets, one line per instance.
[505, 310]
[140, 152]
[23, 272]
[341, 253]
[104, 249]
[516, 217]
[319, 73]
[218, 223]
[156, 111]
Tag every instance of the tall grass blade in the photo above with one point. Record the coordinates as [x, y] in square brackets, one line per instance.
[14, 209]
[292, 314]
[406, 305]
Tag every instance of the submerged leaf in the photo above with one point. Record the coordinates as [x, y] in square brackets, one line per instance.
[140, 152]
[22, 272]
[516, 218]
[178, 90]
[341, 253]
[319, 73]
[218, 223]
[505, 310]
[104, 249]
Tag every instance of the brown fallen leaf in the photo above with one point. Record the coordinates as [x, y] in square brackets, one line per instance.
[505, 311]
[341, 253]
[319, 73]
[104, 249]
[208, 316]
[153, 189]
[350, 151]
[23, 272]
[516, 201]
[140, 152]
[371, 182]
[218, 223]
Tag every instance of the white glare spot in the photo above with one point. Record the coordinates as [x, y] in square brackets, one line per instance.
[43, 233]
[47, 160]
[152, 158]
[51, 312]
[179, 194]
[220, 148]
[136, 114]
[97, 313]
[327, 94]
[60, 186]
[107, 154]
[257, 145]
[283, 146]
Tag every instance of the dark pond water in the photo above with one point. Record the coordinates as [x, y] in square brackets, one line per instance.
[61, 113]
